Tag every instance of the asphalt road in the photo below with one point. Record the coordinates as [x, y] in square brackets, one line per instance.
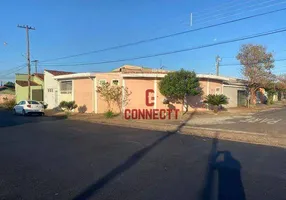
[271, 122]
[43, 158]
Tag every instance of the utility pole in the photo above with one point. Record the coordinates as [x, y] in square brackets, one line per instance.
[36, 65]
[218, 59]
[28, 56]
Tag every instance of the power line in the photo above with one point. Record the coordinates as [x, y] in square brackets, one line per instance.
[217, 7]
[238, 13]
[166, 36]
[277, 60]
[17, 69]
[184, 50]
[239, 8]
[12, 69]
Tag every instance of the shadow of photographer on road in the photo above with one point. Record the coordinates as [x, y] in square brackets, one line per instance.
[229, 177]
[228, 171]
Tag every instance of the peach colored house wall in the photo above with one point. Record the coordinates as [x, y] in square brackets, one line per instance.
[101, 104]
[214, 84]
[83, 93]
[138, 87]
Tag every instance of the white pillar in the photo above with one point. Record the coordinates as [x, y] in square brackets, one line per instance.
[95, 95]
[123, 94]
[155, 93]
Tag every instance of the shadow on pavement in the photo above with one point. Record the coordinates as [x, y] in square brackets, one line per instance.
[228, 184]
[127, 164]
[8, 119]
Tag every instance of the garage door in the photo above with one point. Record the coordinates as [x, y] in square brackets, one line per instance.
[37, 95]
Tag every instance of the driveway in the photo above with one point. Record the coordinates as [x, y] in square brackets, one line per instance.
[272, 123]
[62, 159]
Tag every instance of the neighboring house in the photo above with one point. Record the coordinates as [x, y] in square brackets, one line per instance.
[236, 92]
[51, 87]
[36, 83]
[81, 88]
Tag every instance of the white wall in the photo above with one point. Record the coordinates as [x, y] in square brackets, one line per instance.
[50, 97]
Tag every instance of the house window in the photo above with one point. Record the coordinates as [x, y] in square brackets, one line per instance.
[101, 82]
[115, 82]
[66, 87]
[50, 90]
[217, 90]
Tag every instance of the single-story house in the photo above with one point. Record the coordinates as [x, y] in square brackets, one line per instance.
[81, 88]
[36, 87]
[236, 92]
[51, 87]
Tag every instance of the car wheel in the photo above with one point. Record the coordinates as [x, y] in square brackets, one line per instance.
[14, 112]
[23, 112]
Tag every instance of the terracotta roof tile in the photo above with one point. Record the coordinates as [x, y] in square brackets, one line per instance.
[57, 73]
[25, 83]
[40, 76]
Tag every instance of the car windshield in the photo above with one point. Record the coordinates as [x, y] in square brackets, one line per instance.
[33, 102]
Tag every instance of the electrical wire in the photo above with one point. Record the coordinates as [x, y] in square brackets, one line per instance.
[184, 50]
[218, 7]
[239, 8]
[165, 36]
[235, 14]
[14, 68]
[277, 60]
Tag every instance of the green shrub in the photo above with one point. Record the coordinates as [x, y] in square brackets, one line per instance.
[216, 100]
[9, 104]
[109, 114]
[68, 105]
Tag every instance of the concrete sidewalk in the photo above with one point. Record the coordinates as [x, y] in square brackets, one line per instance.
[210, 124]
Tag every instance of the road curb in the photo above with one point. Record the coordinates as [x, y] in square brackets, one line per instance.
[236, 136]
[225, 130]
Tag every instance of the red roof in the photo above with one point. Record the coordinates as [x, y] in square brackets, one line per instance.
[57, 73]
[25, 83]
[40, 76]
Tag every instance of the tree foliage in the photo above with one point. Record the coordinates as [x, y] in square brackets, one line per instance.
[257, 64]
[114, 94]
[10, 84]
[177, 85]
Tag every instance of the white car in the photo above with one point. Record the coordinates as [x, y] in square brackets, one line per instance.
[29, 107]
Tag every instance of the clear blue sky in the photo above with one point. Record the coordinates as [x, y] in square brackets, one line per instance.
[69, 27]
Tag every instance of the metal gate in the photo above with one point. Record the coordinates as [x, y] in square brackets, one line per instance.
[241, 98]
[37, 95]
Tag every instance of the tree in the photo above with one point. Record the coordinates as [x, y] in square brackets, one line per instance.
[271, 90]
[281, 84]
[105, 92]
[216, 100]
[10, 84]
[114, 94]
[120, 95]
[176, 86]
[257, 65]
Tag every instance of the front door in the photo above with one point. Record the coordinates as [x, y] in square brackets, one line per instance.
[56, 98]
